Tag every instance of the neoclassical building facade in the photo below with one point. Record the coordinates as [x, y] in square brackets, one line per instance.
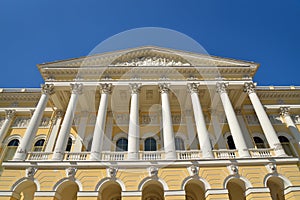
[150, 123]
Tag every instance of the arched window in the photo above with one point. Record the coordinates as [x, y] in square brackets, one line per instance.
[286, 145]
[38, 146]
[13, 143]
[259, 143]
[122, 144]
[11, 149]
[69, 144]
[230, 142]
[179, 143]
[150, 144]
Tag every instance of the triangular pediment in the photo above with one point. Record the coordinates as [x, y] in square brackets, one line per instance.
[148, 56]
[149, 59]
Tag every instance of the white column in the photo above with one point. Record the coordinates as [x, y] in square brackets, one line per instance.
[234, 126]
[285, 113]
[264, 120]
[54, 131]
[64, 132]
[203, 135]
[134, 127]
[81, 131]
[26, 142]
[217, 130]
[248, 139]
[168, 133]
[193, 144]
[108, 132]
[98, 135]
[9, 114]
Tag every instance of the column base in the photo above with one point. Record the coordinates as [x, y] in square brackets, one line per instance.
[133, 156]
[19, 156]
[58, 156]
[170, 156]
[95, 156]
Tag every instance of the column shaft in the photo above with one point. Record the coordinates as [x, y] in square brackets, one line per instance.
[9, 114]
[203, 135]
[264, 120]
[193, 143]
[64, 132]
[98, 135]
[134, 128]
[284, 112]
[168, 133]
[54, 131]
[234, 126]
[26, 142]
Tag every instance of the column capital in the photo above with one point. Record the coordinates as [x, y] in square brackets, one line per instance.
[222, 87]
[164, 87]
[284, 111]
[105, 88]
[9, 114]
[249, 87]
[193, 87]
[76, 88]
[47, 89]
[135, 87]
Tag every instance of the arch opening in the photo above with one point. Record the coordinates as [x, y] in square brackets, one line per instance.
[236, 189]
[194, 190]
[153, 190]
[276, 187]
[67, 191]
[26, 190]
[110, 190]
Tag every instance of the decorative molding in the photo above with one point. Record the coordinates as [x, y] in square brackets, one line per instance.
[76, 88]
[152, 61]
[70, 172]
[135, 88]
[106, 88]
[221, 87]
[9, 114]
[30, 172]
[193, 87]
[47, 89]
[284, 111]
[164, 87]
[249, 87]
[153, 171]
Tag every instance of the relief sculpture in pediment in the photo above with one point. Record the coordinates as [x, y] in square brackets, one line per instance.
[152, 61]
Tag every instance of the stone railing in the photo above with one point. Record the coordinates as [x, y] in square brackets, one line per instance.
[261, 153]
[39, 155]
[77, 155]
[189, 155]
[114, 155]
[152, 155]
[225, 154]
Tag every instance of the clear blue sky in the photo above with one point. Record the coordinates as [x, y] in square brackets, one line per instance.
[35, 31]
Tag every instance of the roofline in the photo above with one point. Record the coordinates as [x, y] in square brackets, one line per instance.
[148, 47]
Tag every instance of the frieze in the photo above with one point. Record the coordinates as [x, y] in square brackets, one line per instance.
[121, 118]
[23, 122]
[149, 119]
